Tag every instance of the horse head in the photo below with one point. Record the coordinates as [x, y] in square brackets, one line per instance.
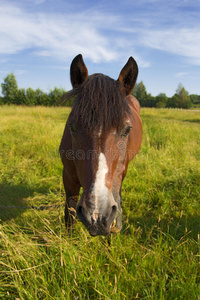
[103, 133]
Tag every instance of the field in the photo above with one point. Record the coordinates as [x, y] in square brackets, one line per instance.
[157, 254]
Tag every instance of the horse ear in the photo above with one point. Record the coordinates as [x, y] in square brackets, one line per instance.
[128, 75]
[78, 71]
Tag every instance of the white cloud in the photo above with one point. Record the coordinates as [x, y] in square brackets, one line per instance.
[95, 34]
[181, 74]
[53, 35]
[184, 41]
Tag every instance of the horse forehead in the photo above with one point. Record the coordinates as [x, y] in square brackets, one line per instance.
[106, 137]
[100, 139]
[98, 135]
[99, 132]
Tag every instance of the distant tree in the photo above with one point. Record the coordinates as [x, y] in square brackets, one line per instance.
[173, 101]
[42, 98]
[21, 97]
[31, 98]
[38, 94]
[145, 99]
[55, 95]
[195, 99]
[161, 100]
[13, 95]
[183, 97]
[140, 93]
[9, 89]
[150, 101]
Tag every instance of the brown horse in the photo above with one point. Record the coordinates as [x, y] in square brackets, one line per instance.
[102, 135]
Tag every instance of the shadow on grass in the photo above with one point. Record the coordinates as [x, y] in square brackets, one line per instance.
[193, 120]
[13, 199]
[149, 228]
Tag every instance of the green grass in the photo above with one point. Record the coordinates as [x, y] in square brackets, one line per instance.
[157, 254]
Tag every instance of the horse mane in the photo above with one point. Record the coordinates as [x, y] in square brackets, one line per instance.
[99, 102]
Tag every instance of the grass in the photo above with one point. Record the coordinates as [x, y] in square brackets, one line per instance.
[157, 254]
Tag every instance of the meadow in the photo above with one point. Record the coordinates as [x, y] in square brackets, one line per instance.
[157, 254]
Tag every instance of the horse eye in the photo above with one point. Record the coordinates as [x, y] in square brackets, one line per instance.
[126, 131]
[72, 128]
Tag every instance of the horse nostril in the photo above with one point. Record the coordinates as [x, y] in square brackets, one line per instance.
[80, 212]
[83, 215]
[114, 209]
[99, 218]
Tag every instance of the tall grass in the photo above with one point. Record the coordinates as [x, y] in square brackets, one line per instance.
[157, 254]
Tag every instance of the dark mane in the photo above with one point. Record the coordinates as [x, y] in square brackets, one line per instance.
[99, 103]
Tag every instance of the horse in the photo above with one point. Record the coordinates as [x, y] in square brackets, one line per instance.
[102, 135]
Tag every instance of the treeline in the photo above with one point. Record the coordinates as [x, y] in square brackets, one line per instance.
[181, 99]
[20, 96]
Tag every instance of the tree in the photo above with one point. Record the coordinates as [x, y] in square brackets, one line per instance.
[150, 101]
[13, 95]
[9, 89]
[173, 101]
[55, 95]
[42, 98]
[31, 97]
[195, 99]
[183, 97]
[161, 100]
[21, 97]
[140, 93]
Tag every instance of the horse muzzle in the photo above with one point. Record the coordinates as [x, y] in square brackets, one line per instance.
[98, 221]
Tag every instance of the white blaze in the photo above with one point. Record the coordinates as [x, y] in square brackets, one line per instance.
[99, 189]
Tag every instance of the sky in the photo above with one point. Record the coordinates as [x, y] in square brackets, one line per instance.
[39, 39]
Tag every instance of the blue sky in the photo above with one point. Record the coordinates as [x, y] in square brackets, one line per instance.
[39, 38]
